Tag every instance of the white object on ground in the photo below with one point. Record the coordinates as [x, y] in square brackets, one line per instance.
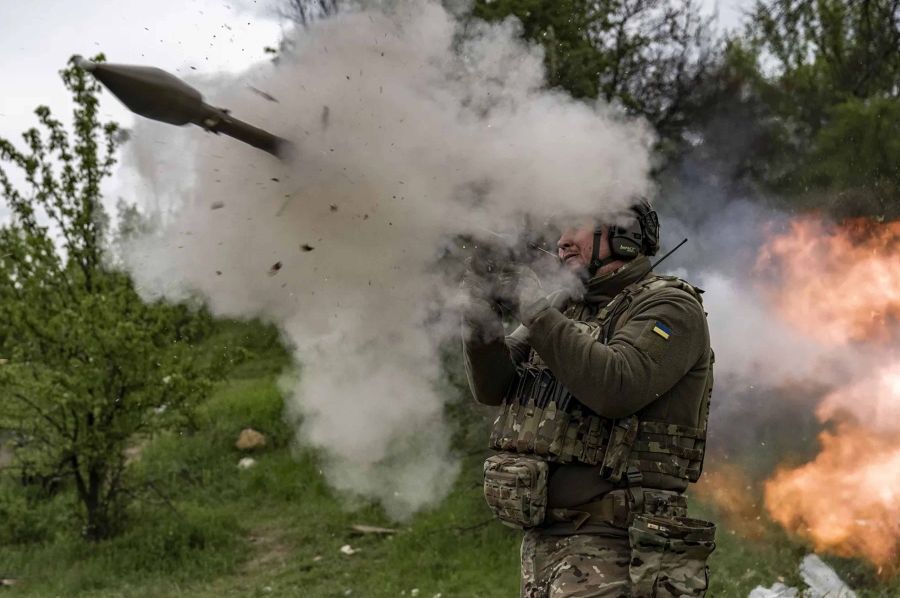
[348, 550]
[823, 582]
[778, 590]
[246, 463]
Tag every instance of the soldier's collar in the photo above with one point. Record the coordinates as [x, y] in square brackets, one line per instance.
[604, 287]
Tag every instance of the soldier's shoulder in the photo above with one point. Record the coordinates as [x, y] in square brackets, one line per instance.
[662, 283]
[657, 288]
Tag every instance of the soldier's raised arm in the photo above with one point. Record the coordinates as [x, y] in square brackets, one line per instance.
[662, 339]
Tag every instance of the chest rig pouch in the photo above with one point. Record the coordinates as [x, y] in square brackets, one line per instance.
[515, 489]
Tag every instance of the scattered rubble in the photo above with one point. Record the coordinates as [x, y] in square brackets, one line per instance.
[822, 580]
[778, 590]
[250, 440]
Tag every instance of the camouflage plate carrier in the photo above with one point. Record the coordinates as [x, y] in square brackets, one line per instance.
[541, 420]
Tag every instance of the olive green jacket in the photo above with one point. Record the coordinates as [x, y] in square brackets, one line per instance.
[637, 372]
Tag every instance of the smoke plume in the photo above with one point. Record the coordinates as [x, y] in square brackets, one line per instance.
[410, 129]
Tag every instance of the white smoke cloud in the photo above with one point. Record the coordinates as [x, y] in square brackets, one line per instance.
[408, 132]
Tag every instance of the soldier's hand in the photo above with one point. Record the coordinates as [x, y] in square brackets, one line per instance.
[523, 291]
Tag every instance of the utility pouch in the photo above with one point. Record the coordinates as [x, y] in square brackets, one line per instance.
[621, 439]
[515, 489]
[668, 556]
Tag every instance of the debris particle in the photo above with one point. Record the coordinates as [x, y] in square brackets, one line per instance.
[365, 216]
[217, 205]
[333, 208]
[307, 247]
[317, 558]
[371, 529]
[262, 94]
[326, 112]
[275, 179]
[348, 550]
[275, 268]
[246, 463]
[218, 273]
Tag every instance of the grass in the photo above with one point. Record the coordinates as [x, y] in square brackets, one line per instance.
[212, 530]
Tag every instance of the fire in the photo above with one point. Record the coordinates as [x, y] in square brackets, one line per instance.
[840, 285]
[843, 280]
[846, 501]
[731, 490]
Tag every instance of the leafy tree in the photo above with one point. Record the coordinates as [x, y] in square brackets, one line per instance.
[814, 88]
[650, 56]
[87, 366]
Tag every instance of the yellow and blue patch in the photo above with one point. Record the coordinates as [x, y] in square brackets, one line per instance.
[662, 330]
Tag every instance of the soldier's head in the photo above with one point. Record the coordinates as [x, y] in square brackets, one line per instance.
[593, 247]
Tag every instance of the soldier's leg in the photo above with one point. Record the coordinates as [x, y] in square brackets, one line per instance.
[577, 566]
[533, 553]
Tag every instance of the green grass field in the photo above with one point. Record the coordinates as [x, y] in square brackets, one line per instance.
[276, 529]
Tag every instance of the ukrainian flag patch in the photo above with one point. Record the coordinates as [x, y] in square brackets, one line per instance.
[662, 330]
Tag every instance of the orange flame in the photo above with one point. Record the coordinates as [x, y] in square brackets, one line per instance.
[731, 491]
[841, 284]
[843, 281]
[846, 501]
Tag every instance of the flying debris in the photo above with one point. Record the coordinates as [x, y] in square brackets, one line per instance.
[263, 94]
[158, 95]
[275, 268]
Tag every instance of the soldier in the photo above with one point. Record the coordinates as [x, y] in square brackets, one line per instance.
[602, 423]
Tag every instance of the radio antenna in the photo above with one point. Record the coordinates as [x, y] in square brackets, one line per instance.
[657, 262]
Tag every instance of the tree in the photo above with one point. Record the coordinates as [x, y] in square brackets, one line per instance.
[650, 56]
[304, 12]
[87, 366]
[815, 87]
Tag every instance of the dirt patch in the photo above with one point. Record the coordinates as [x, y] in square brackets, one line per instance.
[268, 548]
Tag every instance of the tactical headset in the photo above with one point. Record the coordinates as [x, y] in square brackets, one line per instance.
[638, 236]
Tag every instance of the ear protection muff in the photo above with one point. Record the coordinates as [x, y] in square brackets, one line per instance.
[638, 236]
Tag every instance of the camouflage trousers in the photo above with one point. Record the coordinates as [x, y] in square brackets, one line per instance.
[598, 566]
[579, 565]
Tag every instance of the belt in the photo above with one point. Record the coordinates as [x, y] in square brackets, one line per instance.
[617, 508]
